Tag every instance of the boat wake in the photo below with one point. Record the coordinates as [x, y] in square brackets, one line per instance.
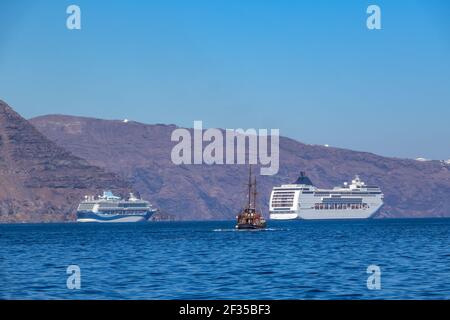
[250, 230]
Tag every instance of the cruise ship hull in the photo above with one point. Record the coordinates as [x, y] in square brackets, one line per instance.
[311, 214]
[112, 218]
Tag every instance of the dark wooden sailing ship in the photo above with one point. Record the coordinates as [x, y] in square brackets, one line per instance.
[250, 217]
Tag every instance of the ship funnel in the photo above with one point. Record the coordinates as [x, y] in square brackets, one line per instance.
[303, 179]
[132, 197]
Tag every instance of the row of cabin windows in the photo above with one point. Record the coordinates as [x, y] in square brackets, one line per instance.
[282, 205]
[282, 198]
[340, 206]
[123, 212]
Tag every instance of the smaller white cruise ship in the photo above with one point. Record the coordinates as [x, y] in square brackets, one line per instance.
[110, 208]
[302, 200]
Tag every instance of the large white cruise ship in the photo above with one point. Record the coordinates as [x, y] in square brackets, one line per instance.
[110, 208]
[302, 200]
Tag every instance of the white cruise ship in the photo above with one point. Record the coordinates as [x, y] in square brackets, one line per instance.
[110, 208]
[302, 200]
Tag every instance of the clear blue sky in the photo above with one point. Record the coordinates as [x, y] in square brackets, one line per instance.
[310, 68]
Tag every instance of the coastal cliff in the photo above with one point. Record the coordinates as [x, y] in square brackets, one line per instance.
[39, 180]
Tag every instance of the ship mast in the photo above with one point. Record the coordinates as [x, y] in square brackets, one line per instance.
[254, 194]
[250, 187]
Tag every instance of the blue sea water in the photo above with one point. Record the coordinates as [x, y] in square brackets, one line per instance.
[210, 260]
